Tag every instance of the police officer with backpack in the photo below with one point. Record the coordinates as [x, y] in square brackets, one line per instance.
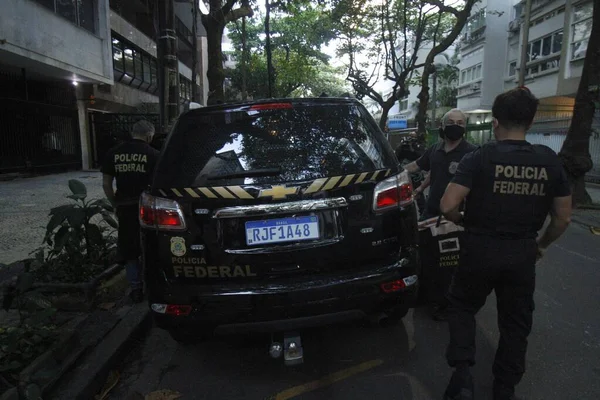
[131, 164]
[510, 187]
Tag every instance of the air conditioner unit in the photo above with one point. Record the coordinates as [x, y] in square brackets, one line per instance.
[514, 25]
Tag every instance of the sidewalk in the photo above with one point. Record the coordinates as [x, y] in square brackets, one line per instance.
[25, 204]
[589, 217]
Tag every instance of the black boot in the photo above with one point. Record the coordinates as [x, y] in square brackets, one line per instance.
[461, 385]
[504, 392]
[136, 295]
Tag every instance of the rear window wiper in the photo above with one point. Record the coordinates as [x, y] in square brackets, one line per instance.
[248, 173]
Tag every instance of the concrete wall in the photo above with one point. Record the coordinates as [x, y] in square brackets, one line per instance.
[46, 43]
[131, 33]
[496, 46]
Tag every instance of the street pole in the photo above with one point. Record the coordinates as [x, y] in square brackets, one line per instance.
[195, 50]
[268, 45]
[525, 43]
[168, 68]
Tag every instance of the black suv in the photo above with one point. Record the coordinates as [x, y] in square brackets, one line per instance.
[277, 215]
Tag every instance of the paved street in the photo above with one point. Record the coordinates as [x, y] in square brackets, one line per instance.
[406, 362]
[24, 207]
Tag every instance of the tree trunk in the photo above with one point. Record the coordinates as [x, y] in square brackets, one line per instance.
[385, 111]
[244, 61]
[575, 153]
[461, 20]
[268, 48]
[215, 74]
[424, 98]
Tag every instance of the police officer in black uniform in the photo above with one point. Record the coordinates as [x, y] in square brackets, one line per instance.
[442, 159]
[510, 187]
[131, 164]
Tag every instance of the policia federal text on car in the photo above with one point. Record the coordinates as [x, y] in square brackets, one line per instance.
[510, 186]
[131, 164]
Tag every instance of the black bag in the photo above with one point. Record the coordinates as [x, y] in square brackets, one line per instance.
[440, 255]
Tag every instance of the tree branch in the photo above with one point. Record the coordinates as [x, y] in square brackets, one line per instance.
[227, 7]
[444, 8]
[238, 13]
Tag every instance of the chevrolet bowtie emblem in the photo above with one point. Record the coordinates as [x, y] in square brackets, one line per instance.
[278, 192]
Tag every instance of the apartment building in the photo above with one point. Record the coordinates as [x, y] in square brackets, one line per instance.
[490, 50]
[71, 72]
[482, 48]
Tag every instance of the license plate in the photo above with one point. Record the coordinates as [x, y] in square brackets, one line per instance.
[282, 230]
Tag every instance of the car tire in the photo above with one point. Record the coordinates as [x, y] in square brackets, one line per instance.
[394, 316]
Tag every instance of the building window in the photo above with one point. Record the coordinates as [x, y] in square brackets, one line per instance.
[545, 46]
[185, 88]
[138, 68]
[582, 26]
[129, 70]
[403, 106]
[470, 74]
[512, 68]
[118, 56]
[134, 67]
[475, 26]
[80, 12]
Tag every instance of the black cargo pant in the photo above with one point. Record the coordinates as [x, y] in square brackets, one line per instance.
[508, 267]
[128, 242]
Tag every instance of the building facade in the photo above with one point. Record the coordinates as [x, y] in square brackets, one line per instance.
[64, 66]
[490, 51]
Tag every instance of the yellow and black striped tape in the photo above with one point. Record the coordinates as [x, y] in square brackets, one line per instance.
[277, 191]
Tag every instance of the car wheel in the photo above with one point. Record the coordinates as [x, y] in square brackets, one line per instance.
[394, 316]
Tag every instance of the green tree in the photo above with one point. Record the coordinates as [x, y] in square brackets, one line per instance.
[300, 67]
[447, 81]
[382, 42]
[220, 12]
[444, 35]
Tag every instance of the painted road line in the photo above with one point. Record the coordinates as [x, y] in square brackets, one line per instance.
[327, 380]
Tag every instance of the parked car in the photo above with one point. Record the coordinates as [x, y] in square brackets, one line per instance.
[277, 215]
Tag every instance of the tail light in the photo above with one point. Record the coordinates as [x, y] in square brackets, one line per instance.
[178, 310]
[399, 284]
[271, 106]
[394, 192]
[161, 213]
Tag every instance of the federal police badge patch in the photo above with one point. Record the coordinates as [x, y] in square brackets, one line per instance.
[453, 167]
[178, 246]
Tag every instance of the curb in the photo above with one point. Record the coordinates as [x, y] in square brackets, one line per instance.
[88, 376]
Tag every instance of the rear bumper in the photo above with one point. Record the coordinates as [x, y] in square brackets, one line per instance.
[285, 305]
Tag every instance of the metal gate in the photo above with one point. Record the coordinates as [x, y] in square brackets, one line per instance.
[109, 129]
[38, 125]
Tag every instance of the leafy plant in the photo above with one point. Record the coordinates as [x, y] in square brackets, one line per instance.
[34, 333]
[80, 237]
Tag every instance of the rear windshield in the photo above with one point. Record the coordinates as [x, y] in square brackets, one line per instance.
[271, 145]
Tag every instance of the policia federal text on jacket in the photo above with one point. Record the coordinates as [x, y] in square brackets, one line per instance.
[510, 186]
[131, 164]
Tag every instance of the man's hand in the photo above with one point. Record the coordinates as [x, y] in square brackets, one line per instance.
[107, 185]
[539, 254]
